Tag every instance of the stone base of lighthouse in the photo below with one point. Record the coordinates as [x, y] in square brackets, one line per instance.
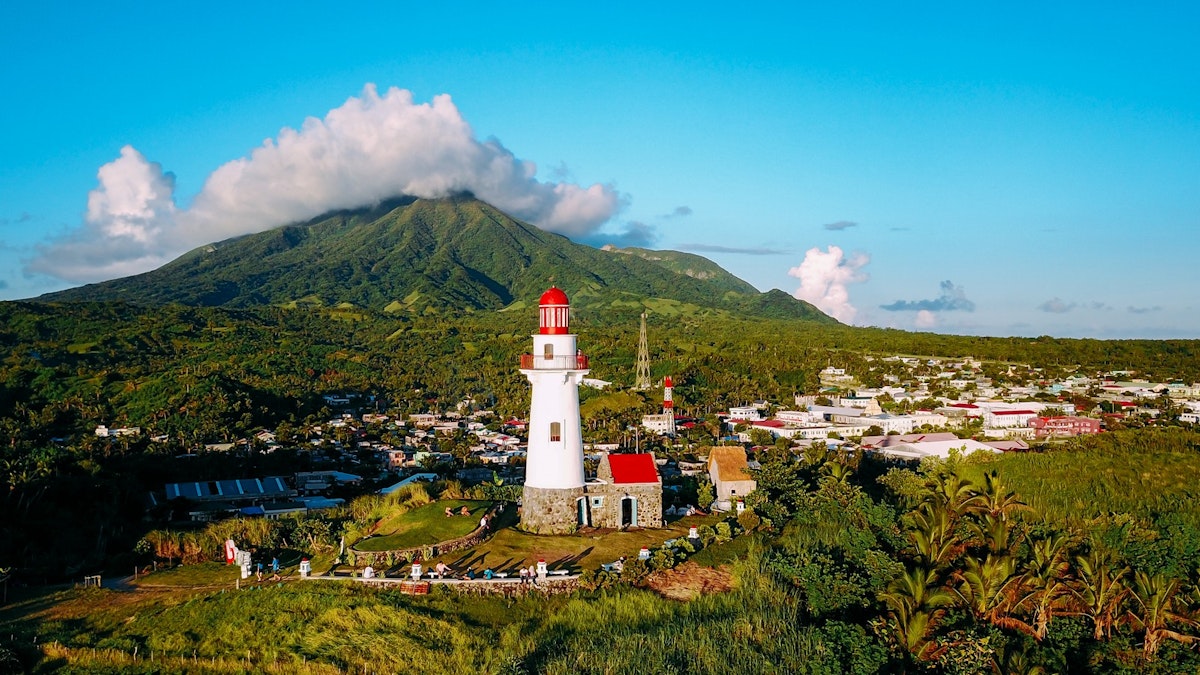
[550, 510]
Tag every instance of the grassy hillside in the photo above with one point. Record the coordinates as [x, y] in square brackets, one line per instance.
[418, 255]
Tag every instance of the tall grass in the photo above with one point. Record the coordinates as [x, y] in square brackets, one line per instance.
[320, 628]
[759, 627]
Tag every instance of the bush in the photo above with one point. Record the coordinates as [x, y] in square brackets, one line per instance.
[705, 495]
[414, 494]
[661, 559]
[723, 531]
[453, 489]
[707, 534]
[592, 580]
[749, 520]
[499, 493]
[635, 571]
[684, 546]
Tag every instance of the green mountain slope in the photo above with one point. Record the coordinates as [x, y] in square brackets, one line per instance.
[419, 255]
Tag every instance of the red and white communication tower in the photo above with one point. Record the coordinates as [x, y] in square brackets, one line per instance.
[669, 403]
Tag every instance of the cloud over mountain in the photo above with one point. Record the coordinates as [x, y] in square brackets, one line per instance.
[371, 148]
[824, 277]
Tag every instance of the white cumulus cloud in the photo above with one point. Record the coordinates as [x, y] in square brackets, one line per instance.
[371, 148]
[824, 277]
[925, 319]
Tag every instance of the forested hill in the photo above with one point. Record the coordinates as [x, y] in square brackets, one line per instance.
[420, 254]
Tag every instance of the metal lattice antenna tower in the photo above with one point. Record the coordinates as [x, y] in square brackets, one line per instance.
[642, 381]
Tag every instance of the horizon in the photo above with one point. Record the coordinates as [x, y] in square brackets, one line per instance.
[1006, 172]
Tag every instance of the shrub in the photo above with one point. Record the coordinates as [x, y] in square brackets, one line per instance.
[723, 531]
[635, 571]
[661, 559]
[592, 580]
[684, 546]
[749, 520]
[707, 534]
[453, 489]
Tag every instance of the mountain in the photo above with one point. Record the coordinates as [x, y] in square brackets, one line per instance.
[432, 254]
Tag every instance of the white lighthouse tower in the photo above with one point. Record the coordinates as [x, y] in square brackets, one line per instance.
[553, 499]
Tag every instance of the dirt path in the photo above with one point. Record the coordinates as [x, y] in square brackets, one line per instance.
[690, 580]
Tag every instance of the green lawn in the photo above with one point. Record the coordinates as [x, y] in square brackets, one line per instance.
[425, 526]
[218, 573]
[510, 548]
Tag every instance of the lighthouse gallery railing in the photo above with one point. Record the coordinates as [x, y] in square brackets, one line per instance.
[535, 362]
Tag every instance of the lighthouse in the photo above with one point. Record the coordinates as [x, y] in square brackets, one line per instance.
[553, 500]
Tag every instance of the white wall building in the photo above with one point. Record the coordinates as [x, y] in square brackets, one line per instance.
[1007, 419]
[744, 413]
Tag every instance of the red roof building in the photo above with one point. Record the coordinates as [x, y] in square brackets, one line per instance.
[634, 468]
[1065, 426]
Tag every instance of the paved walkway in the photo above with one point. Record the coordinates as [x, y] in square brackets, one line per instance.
[551, 580]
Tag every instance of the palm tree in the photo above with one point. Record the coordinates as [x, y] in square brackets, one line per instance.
[916, 603]
[1155, 608]
[953, 493]
[1098, 591]
[990, 589]
[994, 498]
[837, 470]
[933, 536]
[995, 532]
[1046, 591]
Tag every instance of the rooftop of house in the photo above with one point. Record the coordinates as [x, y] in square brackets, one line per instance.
[633, 468]
[730, 462]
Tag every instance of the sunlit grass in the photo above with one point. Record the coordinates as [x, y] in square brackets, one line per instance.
[426, 525]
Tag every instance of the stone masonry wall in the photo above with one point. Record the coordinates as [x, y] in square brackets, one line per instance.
[550, 511]
[649, 504]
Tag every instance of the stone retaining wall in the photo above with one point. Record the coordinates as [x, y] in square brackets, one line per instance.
[379, 558]
[552, 585]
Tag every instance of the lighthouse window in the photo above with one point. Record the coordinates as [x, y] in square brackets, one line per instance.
[555, 432]
[548, 352]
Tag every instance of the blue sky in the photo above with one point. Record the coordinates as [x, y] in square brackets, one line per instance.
[994, 169]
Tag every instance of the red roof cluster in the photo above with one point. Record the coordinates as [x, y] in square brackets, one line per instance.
[638, 468]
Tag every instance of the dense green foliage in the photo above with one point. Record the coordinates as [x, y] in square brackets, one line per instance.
[1080, 559]
[200, 375]
[945, 569]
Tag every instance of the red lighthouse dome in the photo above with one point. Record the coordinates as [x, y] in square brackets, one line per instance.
[555, 311]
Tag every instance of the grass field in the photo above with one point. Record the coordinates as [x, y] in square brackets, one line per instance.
[1144, 475]
[510, 548]
[425, 526]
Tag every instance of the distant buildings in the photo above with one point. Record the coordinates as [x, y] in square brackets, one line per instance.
[1045, 427]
